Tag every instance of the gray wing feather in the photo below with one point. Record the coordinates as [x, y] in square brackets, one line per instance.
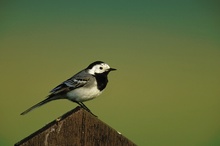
[78, 80]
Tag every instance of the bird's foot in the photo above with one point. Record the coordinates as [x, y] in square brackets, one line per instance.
[88, 110]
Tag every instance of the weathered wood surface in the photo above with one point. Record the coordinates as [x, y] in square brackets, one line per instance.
[76, 128]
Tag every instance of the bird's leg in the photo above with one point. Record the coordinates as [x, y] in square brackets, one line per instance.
[85, 107]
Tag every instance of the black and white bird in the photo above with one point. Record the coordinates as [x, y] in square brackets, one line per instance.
[83, 86]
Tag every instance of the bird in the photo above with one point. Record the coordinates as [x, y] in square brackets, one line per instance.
[83, 86]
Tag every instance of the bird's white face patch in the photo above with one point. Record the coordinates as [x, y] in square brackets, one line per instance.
[99, 68]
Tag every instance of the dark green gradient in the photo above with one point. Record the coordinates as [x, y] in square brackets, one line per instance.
[165, 91]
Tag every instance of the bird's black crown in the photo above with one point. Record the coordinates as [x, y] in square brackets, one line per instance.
[93, 64]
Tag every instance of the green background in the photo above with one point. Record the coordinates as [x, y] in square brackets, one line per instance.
[165, 91]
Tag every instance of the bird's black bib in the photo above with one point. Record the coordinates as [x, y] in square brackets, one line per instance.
[102, 80]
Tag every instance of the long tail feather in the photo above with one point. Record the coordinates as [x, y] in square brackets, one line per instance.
[39, 104]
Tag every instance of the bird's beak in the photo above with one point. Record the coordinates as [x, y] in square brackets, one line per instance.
[112, 69]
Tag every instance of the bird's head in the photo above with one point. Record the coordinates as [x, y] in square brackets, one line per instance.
[99, 67]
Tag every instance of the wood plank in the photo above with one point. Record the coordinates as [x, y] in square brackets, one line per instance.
[76, 128]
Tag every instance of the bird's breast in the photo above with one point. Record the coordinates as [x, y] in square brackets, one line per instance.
[83, 94]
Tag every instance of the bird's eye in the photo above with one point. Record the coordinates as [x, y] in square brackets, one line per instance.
[101, 68]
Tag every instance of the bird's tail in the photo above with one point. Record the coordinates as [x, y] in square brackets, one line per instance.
[50, 98]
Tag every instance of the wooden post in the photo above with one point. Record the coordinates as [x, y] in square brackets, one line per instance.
[76, 128]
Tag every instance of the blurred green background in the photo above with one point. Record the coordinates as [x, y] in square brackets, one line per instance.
[165, 91]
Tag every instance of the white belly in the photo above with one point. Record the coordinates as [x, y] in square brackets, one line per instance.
[83, 94]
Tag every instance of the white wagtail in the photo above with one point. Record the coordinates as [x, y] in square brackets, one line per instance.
[85, 85]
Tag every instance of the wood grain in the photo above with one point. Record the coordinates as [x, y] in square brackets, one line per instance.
[76, 128]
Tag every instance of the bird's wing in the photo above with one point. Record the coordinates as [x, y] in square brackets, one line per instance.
[72, 83]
